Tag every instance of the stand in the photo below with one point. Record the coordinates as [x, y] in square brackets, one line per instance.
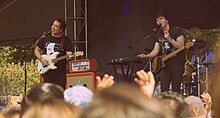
[25, 56]
[130, 47]
[198, 66]
[206, 73]
[150, 65]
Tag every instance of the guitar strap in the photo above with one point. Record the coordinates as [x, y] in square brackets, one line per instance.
[62, 41]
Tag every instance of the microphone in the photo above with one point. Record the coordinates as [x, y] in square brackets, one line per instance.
[158, 27]
[46, 33]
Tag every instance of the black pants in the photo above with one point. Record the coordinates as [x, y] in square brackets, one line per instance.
[174, 74]
[58, 78]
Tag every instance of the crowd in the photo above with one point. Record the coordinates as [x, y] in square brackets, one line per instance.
[109, 101]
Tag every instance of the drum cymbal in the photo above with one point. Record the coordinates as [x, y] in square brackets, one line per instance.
[207, 64]
[193, 32]
[199, 44]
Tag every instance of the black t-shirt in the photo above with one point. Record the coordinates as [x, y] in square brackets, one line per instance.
[166, 46]
[51, 44]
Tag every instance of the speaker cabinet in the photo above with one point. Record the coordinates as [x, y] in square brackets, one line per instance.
[84, 78]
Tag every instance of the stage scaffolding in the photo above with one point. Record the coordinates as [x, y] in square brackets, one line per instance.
[77, 24]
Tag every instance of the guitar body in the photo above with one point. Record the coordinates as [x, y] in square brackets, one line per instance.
[158, 61]
[158, 64]
[52, 59]
[43, 69]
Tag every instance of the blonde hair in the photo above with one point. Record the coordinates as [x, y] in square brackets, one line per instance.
[124, 102]
[53, 108]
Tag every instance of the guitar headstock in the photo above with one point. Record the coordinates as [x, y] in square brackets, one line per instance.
[189, 45]
[78, 53]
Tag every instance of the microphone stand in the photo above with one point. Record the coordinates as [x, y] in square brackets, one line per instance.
[148, 63]
[24, 58]
[198, 67]
[206, 73]
[130, 47]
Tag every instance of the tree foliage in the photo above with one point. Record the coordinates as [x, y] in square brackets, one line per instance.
[12, 75]
[12, 78]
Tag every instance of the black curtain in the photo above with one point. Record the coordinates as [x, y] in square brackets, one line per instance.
[116, 24]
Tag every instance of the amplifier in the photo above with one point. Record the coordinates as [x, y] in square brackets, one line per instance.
[84, 78]
[83, 65]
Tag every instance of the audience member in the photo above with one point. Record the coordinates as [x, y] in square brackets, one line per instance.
[78, 95]
[11, 112]
[52, 108]
[105, 82]
[174, 102]
[208, 103]
[123, 101]
[1, 115]
[196, 107]
[40, 93]
[146, 82]
[216, 95]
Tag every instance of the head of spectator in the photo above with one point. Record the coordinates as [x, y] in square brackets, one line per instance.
[123, 101]
[79, 95]
[40, 93]
[11, 112]
[174, 102]
[52, 108]
[196, 107]
[216, 95]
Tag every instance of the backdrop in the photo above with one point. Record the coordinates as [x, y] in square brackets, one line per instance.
[113, 25]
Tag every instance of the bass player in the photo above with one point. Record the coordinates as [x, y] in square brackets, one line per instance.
[169, 38]
[55, 41]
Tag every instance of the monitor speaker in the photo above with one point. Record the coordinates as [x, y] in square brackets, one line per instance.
[84, 78]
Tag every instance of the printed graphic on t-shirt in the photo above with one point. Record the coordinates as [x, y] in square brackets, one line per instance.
[52, 47]
[164, 44]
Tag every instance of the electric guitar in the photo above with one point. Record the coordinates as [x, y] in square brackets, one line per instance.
[159, 61]
[52, 59]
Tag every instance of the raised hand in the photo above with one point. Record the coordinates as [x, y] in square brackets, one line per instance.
[208, 101]
[167, 35]
[146, 82]
[105, 82]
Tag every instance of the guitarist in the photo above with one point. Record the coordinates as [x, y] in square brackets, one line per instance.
[52, 42]
[168, 39]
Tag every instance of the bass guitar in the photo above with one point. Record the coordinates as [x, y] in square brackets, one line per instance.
[159, 61]
[52, 59]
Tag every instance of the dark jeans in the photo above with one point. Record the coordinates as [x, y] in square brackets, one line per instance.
[174, 74]
[59, 79]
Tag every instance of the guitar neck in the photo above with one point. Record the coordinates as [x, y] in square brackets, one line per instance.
[172, 53]
[76, 54]
[59, 58]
